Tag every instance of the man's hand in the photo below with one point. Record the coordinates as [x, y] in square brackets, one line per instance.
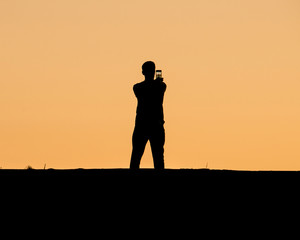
[159, 79]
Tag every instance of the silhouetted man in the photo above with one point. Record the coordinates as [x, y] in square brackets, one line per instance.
[149, 122]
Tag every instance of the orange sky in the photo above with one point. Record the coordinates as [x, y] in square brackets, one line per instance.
[67, 68]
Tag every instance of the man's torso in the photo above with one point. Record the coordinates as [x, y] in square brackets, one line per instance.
[150, 101]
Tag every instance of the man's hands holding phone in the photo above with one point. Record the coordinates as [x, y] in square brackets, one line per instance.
[159, 75]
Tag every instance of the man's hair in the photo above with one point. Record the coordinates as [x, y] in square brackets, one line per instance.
[148, 66]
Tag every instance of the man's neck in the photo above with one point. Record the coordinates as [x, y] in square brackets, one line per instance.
[149, 79]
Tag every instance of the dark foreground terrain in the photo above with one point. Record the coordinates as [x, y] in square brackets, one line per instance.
[200, 188]
[182, 181]
[173, 201]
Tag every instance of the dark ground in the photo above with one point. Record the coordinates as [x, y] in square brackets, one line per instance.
[170, 181]
[172, 201]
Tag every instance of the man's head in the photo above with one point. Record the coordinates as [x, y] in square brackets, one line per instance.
[149, 69]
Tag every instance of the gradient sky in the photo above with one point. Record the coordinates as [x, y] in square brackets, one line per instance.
[67, 68]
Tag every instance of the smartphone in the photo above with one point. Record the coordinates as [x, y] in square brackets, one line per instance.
[158, 74]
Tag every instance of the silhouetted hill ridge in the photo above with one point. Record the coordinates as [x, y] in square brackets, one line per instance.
[168, 178]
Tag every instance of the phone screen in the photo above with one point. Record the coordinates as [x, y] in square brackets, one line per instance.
[158, 74]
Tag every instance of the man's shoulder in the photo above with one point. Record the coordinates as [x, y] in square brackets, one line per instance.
[145, 84]
[137, 87]
[138, 84]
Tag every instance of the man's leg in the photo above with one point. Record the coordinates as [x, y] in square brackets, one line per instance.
[139, 140]
[157, 141]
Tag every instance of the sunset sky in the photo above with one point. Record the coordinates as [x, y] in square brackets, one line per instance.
[232, 68]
